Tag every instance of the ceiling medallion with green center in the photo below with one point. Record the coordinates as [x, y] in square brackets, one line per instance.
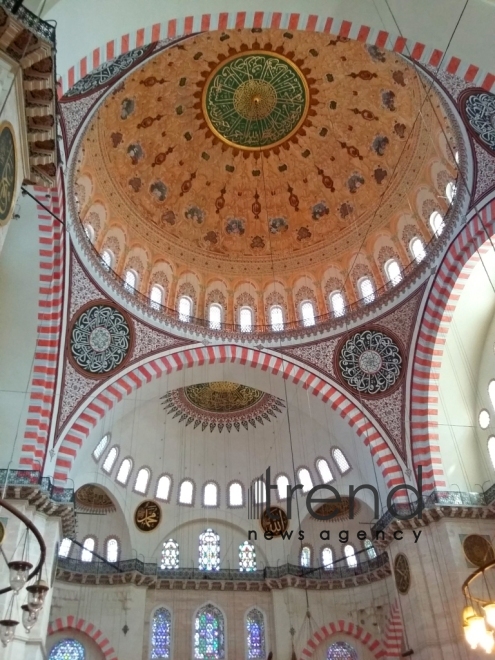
[255, 100]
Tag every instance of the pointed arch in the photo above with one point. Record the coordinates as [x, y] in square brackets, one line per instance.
[89, 629]
[342, 627]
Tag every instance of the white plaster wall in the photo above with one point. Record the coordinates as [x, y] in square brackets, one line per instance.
[85, 26]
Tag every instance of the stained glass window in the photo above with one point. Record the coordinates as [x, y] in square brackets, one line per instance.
[305, 557]
[170, 554]
[67, 649]
[100, 447]
[160, 634]
[247, 557]
[341, 460]
[255, 628]
[341, 651]
[209, 634]
[209, 551]
[370, 550]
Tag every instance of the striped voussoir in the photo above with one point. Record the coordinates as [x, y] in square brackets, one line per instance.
[463, 254]
[89, 629]
[277, 20]
[50, 307]
[392, 638]
[346, 628]
[185, 358]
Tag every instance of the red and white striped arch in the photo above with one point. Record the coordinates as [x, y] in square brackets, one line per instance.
[394, 630]
[292, 21]
[463, 254]
[89, 629]
[325, 633]
[179, 359]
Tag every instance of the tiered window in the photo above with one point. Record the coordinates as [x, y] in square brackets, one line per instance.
[276, 318]
[305, 557]
[209, 551]
[341, 651]
[67, 649]
[350, 556]
[236, 495]
[161, 630]
[170, 555]
[109, 461]
[255, 629]
[341, 460]
[100, 447]
[308, 313]
[247, 557]
[327, 558]
[209, 634]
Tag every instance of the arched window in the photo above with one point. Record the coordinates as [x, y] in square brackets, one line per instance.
[112, 550]
[255, 631]
[236, 494]
[124, 471]
[491, 392]
[142, 481]
[185, 309]
[215, 316]
[484, 419]
[340, 460]
[393, 271]
[107, 258]
[417, 249]
[370, 549]
[350, 556]
[90, 232]
[247, 557]
[324, 470]
[209, 551]
[308, 313]
[276, 318]
[450, 191]
[210, 494]
[367, 290]
[282, 483]
[130, 280]
[109, 461]
[259, 490]
[246, 319]
[161, 632]
[100, 447]
[163, 488]
[327, 558]
[337, 303]
[491, 449]
[67, 649]
[341, 651]
[156, 296]
[305, 479]
[436, 223]
[209, 634]
[305, 556]
[88, 549]
[186, 492]
[64, 548]
[170, 555]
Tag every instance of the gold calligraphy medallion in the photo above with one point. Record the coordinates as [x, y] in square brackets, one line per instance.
[7, 172]
[277, 523]
[147, 516]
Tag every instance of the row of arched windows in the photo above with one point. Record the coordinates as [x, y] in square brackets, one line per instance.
[327, 555]
[211, 491]
[88, 550]
[484, 422]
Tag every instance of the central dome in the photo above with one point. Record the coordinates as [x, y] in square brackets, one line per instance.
[259, 156]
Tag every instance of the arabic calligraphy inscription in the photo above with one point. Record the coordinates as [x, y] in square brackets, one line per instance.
[147, 516]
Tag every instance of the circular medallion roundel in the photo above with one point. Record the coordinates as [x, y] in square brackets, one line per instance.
[402, 573]
[100, 340]
[479, 110]
[478, 550]
[255, 100]
[7, 171]
[370, 362]
[276, 523]
[147, 516]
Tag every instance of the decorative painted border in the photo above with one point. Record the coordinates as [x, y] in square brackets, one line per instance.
[453, 273]
[311, 22]
[185, 358]
[89, 629]
[348, 628]
[50, 309]
[392, 638]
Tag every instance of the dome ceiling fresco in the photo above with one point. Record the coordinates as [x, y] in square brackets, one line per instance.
[262, 152]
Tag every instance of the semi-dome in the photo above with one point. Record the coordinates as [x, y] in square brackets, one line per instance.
[265, 167]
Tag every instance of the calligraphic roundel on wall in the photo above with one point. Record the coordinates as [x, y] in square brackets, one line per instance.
[369, 362]
[100, 339]
[478, 111]
[7, 172]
